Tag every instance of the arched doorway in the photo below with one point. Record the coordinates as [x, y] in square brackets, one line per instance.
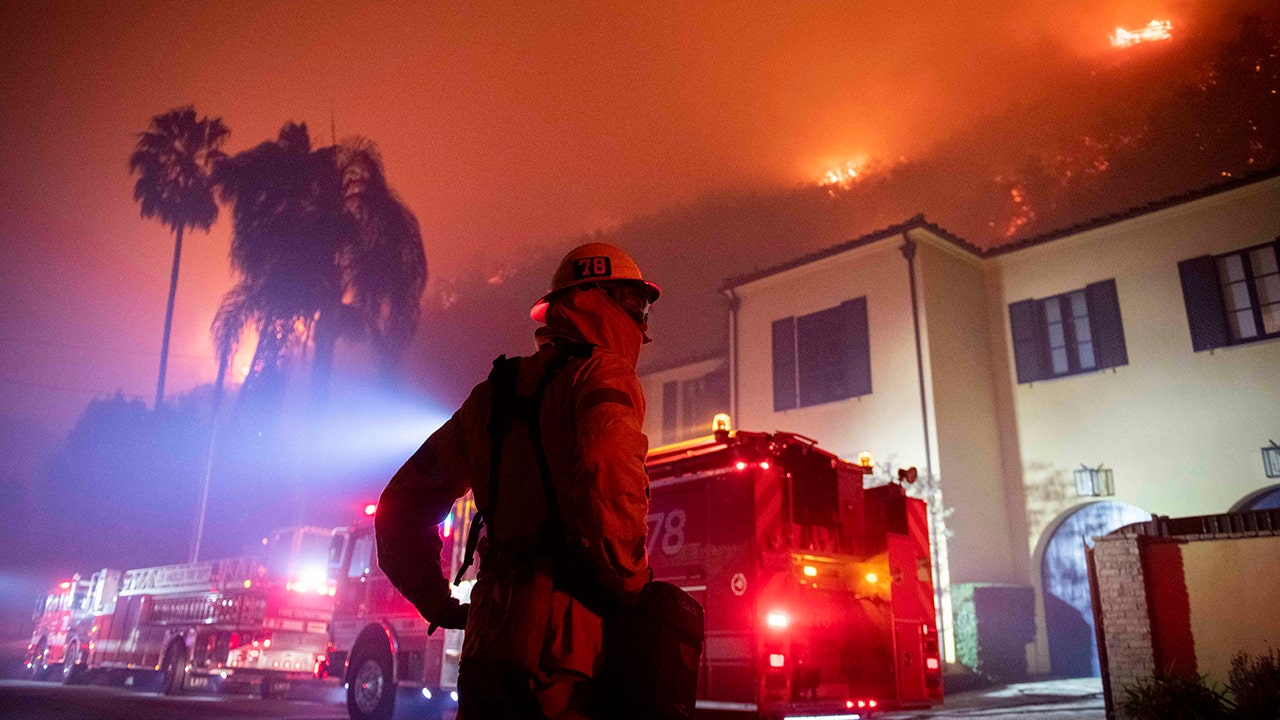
[1064, 581]
[1265, 499]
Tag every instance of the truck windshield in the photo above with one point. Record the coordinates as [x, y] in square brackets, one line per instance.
[299, 555]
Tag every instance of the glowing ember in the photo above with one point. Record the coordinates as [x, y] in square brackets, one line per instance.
[1155, 30]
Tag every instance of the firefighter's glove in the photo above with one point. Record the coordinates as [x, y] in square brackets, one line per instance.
[449, 614]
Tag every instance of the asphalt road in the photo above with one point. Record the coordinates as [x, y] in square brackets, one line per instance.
[26, 700]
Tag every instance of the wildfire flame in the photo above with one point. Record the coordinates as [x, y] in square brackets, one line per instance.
[844, 175]
[1154, 30]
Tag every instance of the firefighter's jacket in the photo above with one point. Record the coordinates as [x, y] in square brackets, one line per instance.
[591, 417]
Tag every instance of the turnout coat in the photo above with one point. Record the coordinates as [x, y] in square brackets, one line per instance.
[591, 416]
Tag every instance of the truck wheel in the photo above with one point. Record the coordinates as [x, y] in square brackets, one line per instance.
[175, 668]
[40, 660]
[371, 688]
[71, 667]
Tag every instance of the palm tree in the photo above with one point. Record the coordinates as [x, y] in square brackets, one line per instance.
[173, 159]
[324, 249]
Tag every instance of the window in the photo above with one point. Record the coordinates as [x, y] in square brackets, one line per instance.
[1095, 482]
[1232, 298]
[361, 557]
[1075, 332]
[821, 357]
[688, 406]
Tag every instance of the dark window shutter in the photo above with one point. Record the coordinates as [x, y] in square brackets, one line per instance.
[1104, 320]
[1200, 292]
[784, 364]
[857, 346]
[820, 357]
[670, 423]
[1026, 325]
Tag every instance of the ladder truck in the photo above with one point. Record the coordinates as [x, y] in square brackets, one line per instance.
[258, 621]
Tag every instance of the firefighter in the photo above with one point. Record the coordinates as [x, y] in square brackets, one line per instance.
[533, 624]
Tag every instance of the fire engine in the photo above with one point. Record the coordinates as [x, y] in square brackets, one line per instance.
[380, 642]
[818, 591]
[260, 620]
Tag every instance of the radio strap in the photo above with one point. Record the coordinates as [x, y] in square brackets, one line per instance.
[507, 405]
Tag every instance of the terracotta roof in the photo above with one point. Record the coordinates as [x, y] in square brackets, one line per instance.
[919, 222]
[1133, 212]
[914, 223]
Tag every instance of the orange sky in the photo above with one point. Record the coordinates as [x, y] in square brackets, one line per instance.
[520, 123]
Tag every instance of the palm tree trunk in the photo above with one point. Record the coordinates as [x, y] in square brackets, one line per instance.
[168, 317]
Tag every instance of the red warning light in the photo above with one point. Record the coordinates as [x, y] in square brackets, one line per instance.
[370, 509]
[65, 585]
[931, 663]
[741, 465]
[777, 660]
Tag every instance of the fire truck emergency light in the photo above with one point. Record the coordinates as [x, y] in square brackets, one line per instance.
[370, 509]
[777, 620]
[721, 423]
[65, 585]
[865, 459]
[810, 571]
[777, 660]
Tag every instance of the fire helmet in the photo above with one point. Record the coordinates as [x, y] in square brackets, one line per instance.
[592, 263]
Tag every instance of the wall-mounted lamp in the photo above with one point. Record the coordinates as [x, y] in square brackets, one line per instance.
[1094, 482]
[1271, 460]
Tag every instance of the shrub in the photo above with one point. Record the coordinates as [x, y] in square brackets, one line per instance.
[1173, 698]
[1254, 685]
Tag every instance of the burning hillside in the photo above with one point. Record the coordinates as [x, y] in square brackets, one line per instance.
[1107, 135]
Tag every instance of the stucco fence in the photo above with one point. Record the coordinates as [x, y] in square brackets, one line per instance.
[1181, 596]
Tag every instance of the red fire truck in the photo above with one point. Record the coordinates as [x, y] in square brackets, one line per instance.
[260, 621]
[380, 642]
[64, 619]
[818, 592]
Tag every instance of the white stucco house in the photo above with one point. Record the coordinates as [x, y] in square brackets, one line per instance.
[1056, 388]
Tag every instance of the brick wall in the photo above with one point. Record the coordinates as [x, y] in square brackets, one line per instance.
[1122, 609]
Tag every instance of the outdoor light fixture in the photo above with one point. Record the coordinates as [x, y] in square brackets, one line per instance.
[1271, 460]
[1094, 482]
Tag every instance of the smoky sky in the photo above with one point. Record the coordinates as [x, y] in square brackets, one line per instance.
[504, 126]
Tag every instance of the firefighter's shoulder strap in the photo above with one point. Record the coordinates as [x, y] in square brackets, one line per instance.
[507, 405]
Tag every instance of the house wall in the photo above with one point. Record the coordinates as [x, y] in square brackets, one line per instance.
[981, 547]
[887, 421]
[1181, 430]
